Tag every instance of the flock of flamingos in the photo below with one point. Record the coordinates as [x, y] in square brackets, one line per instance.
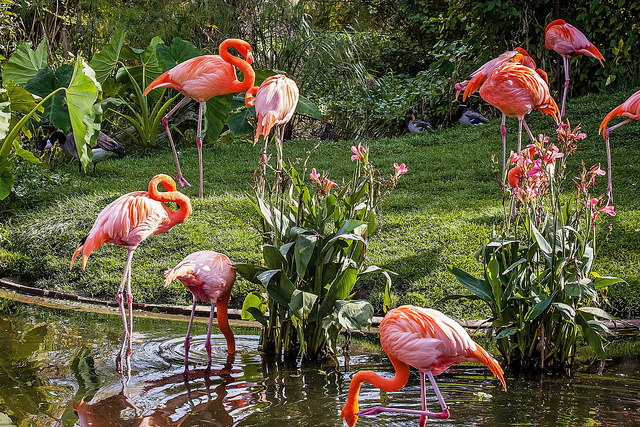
[411, 336]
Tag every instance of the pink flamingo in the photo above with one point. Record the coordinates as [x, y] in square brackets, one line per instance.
[568, 41]
[629, 108]
[478, 77]
[516, 90]
[201, 79]
[427, 340]
[209, 276]
[275, 102]
[127, 221]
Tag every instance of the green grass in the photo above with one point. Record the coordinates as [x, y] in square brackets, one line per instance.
[442, 211]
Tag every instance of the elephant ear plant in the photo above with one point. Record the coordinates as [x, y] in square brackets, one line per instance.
[537, 277]
[314, 245]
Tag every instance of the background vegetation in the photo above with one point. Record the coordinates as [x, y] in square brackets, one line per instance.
[364, 64]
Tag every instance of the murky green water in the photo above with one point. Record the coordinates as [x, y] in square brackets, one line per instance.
[57, 368]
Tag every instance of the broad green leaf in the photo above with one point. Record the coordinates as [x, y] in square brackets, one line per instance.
[602, 282]
[105, 61]
[21, 100]
[25, 63]
[178, 51]
[349, 226]
[272, 257]
[506, 333]
[27, 155]
[566, 310]
[249, 272]
[55, 109]
[591, 337]
[238, 122]
[538, 309]
[308, 108]
[493, 276]
[544, 246]
[6, 178]
[82, 94]
[255, 302]
[478, 287]
[354, 315]
[305, 245]
[302, 303]
[338, 290]
[267, 276]
[216, 112]
[597, 312]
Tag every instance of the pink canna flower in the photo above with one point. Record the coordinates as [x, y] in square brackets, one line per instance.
[329, 184]
[357, 152]
[606, 209]
[314, 175]
[400, 169]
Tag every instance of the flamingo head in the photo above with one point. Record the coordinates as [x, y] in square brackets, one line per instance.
[245, 50]
[349, 417]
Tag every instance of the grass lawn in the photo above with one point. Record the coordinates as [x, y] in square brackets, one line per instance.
[442, 211]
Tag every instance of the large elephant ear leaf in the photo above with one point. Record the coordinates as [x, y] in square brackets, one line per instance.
[106, 60]
[179, 51]
[216, 112]
[6, 178]
[82, 94]
[25, 63]
[55, 109]
[308, 108]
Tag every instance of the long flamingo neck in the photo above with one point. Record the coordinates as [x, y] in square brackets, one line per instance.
[241, 64]
[223, 324]
[398, 381]
[170, 195]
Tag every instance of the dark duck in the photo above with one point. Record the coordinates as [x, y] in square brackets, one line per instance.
[416, 125]
[468, 116]
[105, 148]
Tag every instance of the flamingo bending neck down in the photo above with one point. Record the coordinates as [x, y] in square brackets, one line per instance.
[201, 78]
[568, 41]
[209, 276]
[516, 90]
[427, 340]
[129, 220]
[631, 109]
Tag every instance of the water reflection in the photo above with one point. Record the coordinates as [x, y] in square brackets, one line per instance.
[56, 368]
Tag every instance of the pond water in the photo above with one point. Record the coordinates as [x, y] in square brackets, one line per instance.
[57, 368]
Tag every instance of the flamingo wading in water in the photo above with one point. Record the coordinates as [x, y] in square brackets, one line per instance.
[201, 79]
[516, 90]
[127, 221]
[427, 340]
[629, 108]
[478, 77]
[209, 276]
[568, 41]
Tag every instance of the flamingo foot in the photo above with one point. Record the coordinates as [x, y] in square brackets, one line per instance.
[182, 181]
[372, 411]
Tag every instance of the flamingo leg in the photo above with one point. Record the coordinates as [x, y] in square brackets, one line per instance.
[165, 123]
[606, 140]
[442, 415]
[207, 344]
[187, 342]
[199, 144]
[423, 394]
[520, 134]
[566, 84]
[503, 131]
[524, 122]
[125, 274]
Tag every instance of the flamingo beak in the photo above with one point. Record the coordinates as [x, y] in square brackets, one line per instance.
[250, 58]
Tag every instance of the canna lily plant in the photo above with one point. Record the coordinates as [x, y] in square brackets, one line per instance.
[315, 235]
[537, 277]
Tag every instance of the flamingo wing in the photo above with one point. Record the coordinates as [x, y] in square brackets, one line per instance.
[275, 103]
[568, 41]
[126, 221]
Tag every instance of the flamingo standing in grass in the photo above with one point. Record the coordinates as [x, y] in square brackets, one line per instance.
[478, 77]
[209, 276]
[516, 90]
[201, 79]
[631, 109]
[126, 222]
[427, 340]
[568, 41]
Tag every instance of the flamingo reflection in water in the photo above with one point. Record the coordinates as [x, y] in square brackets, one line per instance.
[196, 403]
